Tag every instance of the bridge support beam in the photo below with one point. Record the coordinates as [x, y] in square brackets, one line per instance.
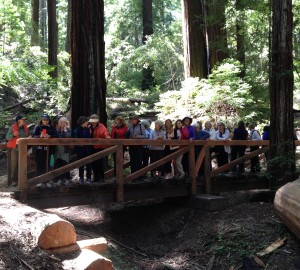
[208, 202]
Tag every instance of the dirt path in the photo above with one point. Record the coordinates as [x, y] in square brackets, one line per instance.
[157, 235]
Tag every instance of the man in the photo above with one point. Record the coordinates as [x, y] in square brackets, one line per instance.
[16, 131]
[99, 131]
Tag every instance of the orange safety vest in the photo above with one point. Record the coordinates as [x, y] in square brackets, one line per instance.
[12, 143]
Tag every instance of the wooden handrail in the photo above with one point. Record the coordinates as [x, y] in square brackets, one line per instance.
[129, 142]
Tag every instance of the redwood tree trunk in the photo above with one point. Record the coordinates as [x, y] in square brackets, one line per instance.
[240, 36]
[69, 21]
[35, 23]
[88, 60]
[216, 31]
[195, 50]
[52, 37]
[148, 79]
[282, 146]
[43, 24]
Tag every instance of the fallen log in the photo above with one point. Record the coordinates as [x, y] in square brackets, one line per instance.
[48, 230]
[127, 100]
[287, 205]
[88, 260]
[52, 231]
[98, 245]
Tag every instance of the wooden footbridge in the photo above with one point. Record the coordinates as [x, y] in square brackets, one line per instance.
[123, 187]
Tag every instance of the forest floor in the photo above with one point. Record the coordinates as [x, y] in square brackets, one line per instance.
[160, 235]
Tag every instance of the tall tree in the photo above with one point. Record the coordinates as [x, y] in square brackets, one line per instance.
[148, 79]
[88, 59]
[69, 21]
[282, 146]
[240, 36]
[195, 50]
[43, 23]
[35, 22]
[52, 37]
[216, 31]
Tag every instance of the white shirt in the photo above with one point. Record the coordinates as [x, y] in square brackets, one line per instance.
[224, 137]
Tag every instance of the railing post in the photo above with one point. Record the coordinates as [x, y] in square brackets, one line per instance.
[9, 167]
[22, 177]
[120, 173]
[192, 168]
[207, 169]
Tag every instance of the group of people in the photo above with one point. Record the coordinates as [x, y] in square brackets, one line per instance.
[140, 156]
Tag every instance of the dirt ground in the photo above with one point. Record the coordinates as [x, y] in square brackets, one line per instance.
[162, 235]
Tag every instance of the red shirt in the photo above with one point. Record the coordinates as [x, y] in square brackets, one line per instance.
[118, 132]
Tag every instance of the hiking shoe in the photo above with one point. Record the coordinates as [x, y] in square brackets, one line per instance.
[168, 176]
[59, 183]
[89, 181]
[181, 176]
[81, 181]
[67, 182]
[41, 185]
[49, 185]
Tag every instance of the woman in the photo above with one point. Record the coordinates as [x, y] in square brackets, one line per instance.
[170, 134]
[254, 136]
[118, 131]
[44, 130]
[178, 169]
[222, 134]
[200, 135]
[239, 133]
[82, 131]
[136, 131]
[187, 133]
[148, 131]
[98, 131]
[156, 152]
[208, 128]
[16, 131]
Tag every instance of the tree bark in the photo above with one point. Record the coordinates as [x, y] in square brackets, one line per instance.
[216, 31]
[52, 37]
[148, 79]
[35, 23]
[240, 36]
[69, 22]
[195, 49]
[282, 147]
[88, 60]
[43, 24]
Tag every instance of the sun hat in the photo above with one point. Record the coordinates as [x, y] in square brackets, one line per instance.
[191, 119]
[20, 117]
[134, 116]
[45, 116]
[94, 118]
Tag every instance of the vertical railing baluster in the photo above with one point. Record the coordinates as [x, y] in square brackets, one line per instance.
[207, 169]
[22, 176]
[120, 173]
[192, 172]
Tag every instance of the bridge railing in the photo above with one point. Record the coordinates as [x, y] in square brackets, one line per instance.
[116, 146]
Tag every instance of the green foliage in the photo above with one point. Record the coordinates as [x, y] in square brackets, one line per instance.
[126, 56]
[223, 96]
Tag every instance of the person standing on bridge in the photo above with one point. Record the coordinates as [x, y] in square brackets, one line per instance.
[82, 131]
[254, 136]
[44, 130]
[16, 131]
[98, 131]
[239, 133]
[222, 134]
[136, 131]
